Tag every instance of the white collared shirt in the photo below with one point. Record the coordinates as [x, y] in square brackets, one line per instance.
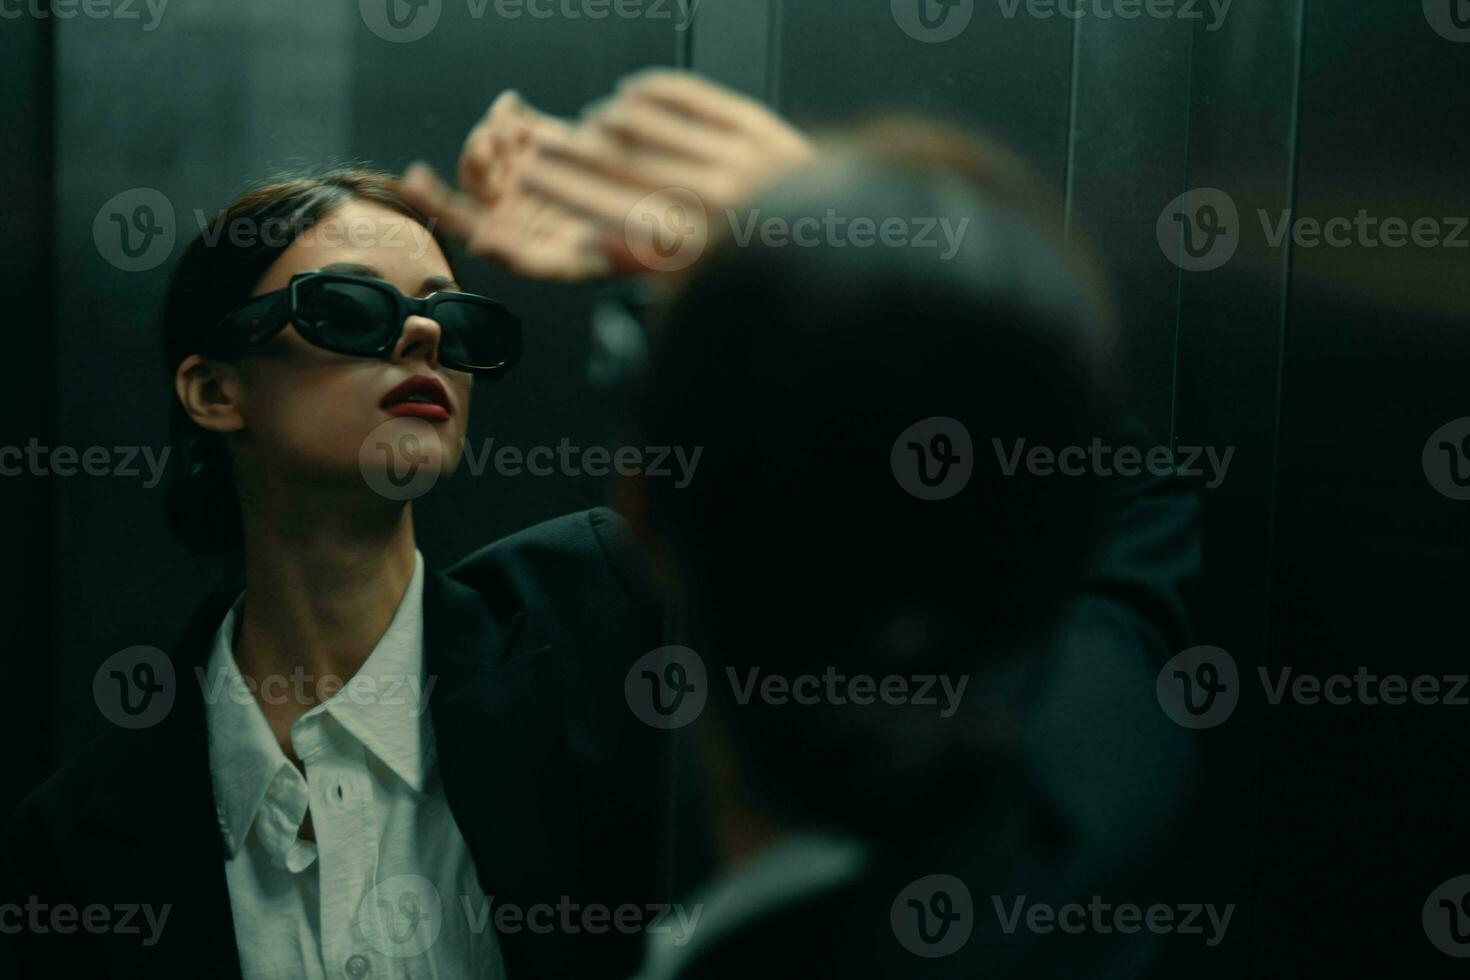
[388, 888]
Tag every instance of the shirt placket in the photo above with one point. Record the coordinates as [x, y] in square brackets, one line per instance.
[347, 847]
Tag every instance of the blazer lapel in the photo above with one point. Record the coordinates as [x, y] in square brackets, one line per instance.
[152, 833]
[151, 837]
[499, 727]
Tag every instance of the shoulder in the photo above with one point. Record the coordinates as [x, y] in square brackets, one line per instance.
[578, 583]
[119, 773]
[588, 555]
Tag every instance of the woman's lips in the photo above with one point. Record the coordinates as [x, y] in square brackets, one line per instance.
[422, 410]
[420, 397]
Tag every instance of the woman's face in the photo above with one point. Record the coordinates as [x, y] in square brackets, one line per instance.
[311, 413]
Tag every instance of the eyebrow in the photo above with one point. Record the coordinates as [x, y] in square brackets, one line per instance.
[358, 269]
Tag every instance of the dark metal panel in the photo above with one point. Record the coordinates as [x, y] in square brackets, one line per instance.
[737, 43]
[1370, 563]
[1130, 123]
[1231, 316]
[27, 402]
[988, 64]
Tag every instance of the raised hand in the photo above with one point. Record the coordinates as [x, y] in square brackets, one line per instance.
[571, 202]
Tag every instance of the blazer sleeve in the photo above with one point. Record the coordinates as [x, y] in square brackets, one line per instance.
[1119, 770]
[1147, 559]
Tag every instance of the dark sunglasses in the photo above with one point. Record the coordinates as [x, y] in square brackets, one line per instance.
[363, 317]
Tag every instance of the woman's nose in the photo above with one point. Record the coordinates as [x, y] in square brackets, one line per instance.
[420, 339]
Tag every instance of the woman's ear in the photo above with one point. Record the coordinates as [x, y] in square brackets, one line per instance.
[209, 390]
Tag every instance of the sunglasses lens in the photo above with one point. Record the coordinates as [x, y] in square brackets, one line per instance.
[346, 316]
[477, 335]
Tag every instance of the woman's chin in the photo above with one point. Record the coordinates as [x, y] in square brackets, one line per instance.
[405, 456]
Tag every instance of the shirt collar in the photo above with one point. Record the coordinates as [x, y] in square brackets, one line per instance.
[383, 707]
[385, 704]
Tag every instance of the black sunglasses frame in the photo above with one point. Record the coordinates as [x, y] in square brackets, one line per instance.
[263, 317]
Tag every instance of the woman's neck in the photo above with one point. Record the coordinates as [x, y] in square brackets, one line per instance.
[319, 594]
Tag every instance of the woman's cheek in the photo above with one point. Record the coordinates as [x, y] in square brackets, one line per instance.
[328, 424]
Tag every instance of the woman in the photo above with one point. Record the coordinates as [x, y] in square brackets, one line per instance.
[330, 825]
[321, 353]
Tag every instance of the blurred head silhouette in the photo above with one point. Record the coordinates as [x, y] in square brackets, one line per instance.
[859, 394]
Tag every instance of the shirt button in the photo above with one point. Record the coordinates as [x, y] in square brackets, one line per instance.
[358, 966]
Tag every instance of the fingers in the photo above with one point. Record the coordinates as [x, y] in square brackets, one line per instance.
[576, 188]
[654, 125]
[600, 151]
[564, 202]
[697, 96]
[501, 143]
[456, 214]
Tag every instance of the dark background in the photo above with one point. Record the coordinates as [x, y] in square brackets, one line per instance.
[1327, 548]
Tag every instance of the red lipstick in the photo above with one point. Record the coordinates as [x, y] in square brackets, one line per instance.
[420, 396]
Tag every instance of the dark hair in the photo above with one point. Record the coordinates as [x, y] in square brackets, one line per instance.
[795, 370]
[218, 272]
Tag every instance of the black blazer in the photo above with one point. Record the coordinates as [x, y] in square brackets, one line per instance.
[529, 640]
[560, 791]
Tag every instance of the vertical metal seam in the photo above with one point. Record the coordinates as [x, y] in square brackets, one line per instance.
[1073, 88]
[1179, 274]
[775, 13]
[1283, 311]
